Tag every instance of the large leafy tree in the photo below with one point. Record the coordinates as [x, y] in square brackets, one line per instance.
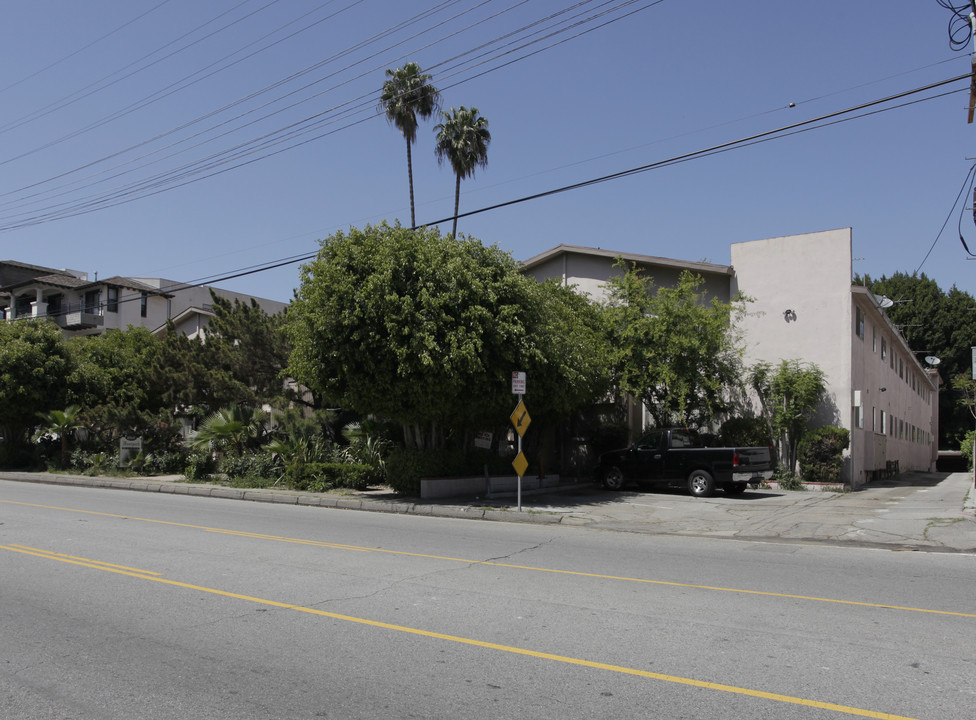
[674, 350]
[789, 394]
[462, 140]
[34, 362]
[940, 323]
[406, 97]
[113, 382]
[425, 330]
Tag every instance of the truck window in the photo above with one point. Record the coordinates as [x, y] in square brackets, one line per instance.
[680, 440]
[650, 441]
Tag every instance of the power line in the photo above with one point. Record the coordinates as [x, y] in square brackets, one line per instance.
[243, 153]
[750, 140]
[785, 131]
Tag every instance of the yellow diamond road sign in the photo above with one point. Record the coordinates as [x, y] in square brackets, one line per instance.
[521, 419]
[520, 464]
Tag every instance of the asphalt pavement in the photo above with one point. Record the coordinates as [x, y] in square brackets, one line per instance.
[933, 512]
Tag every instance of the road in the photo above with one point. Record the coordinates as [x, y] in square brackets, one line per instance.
[125, 605]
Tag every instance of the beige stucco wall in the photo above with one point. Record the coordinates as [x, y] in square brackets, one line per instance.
[589, 273]
[810, 275]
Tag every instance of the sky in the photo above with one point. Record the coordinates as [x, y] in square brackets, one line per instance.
[195, 140]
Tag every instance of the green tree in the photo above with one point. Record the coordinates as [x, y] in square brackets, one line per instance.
[940, 323]
[462, 140]
[425, 330]
[62, 423]
[789, 394]
[193, 377]
[406, 96]
[114, 383]
[251, 348]
[34, 362]
[674, 350]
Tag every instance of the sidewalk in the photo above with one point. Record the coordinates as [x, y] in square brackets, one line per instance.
[934, 512]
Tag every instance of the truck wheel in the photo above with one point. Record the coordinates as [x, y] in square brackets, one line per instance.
[613, 479]
[735, 489]
[701, 484]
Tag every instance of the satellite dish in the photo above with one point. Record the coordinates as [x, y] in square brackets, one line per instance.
[932, 360]
[885, 302]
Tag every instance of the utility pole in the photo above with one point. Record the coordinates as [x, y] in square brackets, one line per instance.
[972, 77]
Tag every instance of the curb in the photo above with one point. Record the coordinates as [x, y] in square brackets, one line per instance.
[289, 497]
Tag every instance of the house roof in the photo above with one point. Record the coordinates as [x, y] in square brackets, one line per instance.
[697, 267]
[180, 317]
[57, 278]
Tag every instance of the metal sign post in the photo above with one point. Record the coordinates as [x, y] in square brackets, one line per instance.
[520, 419]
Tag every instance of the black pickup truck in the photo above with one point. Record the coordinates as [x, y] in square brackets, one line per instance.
[679, 458]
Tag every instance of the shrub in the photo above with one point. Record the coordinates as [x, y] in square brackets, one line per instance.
[168, 462]
[406, 466]
[322, 476]
[199, 466]
[250, 465]
[93, 463]
[821, 453]
[745, 432]
[787, 480]
[966, 448]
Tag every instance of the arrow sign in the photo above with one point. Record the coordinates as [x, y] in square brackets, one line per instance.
[520, 419]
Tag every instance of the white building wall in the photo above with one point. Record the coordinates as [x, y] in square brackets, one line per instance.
[876, 387]
[810, 276]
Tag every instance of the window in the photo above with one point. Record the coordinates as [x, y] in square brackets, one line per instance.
[874, 419]
[884, 349]
[858, 416]
[22, 305]
[54, 304]
[884, 420]
[113, 300]
[93, 301]
[874, 339]
[859, 322]
[143, 303]
[651, 441]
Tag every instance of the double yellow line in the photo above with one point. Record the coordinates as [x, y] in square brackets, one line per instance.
[155, 577]
[577, 573]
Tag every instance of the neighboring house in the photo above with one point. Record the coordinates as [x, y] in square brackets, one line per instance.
[78, 305]
[804, 306]
[89, 307]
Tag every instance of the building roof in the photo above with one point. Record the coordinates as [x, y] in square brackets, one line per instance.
[181, 317]
[697, 267]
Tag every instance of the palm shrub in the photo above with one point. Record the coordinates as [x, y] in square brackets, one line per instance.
[821, 453]
[230, 429]
[61, 424]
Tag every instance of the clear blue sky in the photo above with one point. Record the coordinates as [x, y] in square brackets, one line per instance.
[104, 101]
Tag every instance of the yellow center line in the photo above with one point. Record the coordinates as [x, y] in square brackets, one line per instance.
[578, 573]
[60, 556]
[760, 694]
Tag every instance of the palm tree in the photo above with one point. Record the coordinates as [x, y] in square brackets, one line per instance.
[229, 428]
[463, 139]
[406, 96]
[62, 424]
